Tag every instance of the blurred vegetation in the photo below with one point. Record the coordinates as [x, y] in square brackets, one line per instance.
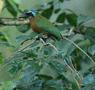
[58, 65]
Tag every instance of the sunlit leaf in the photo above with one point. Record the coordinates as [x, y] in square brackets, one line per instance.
[1, 5]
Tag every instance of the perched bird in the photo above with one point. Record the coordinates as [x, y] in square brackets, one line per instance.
[41, 24]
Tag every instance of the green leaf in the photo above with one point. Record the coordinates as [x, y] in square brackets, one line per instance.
[17, 1]
[48, 71]
[64, 69]
[10, 34]
[6, 50]
[66, 48]
[47, 12]
[24, 37]
[72, 19]
[51, 2]
[1, 58]
[61, 18]
[57, 10]
[8, 85]
[12, 7]
[90, 34]
[91, 50]
[23, 28]
[61, 0]
[55, 84]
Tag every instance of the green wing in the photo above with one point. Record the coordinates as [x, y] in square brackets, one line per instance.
[47, 26]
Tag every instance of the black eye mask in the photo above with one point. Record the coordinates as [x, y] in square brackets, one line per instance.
[28, 14]
[31, 13]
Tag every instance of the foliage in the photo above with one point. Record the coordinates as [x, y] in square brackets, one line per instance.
[31, 61]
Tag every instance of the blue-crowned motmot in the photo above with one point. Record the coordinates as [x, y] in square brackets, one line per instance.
[42, 24]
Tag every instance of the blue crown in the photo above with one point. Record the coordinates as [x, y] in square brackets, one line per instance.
[31, 13]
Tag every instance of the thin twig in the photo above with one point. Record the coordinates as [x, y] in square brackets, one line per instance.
[72, 70]
[50, 44]
[78, 48]
[76, 44]
[68, 33]
[9, 59]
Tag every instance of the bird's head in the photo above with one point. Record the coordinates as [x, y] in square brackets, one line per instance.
[30, 13]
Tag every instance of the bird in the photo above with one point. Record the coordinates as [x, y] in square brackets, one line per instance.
[41, 24]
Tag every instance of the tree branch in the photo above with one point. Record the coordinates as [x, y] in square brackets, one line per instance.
[13, 21]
